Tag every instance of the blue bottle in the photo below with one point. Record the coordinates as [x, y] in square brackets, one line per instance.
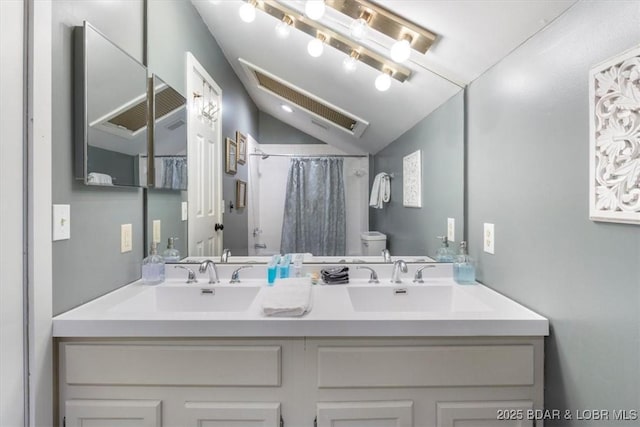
[272, 269]
[464, 269]
[444, 252]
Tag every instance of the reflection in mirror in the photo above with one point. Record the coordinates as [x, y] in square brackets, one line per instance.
[297, 134]
[111, 112]
[165, 200]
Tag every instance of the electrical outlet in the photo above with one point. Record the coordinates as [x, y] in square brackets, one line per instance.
[489, 238]
[451, 229]
[126, 243]
[61, 222]
[157, 230]
[185, 211]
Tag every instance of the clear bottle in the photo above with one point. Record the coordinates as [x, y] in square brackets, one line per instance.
[171, 254]
[444, 252]
[153, 266]
[464, 269]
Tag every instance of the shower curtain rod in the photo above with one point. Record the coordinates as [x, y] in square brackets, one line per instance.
[265, 155]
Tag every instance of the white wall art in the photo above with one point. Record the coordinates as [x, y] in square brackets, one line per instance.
[614, 108]
[412, 180]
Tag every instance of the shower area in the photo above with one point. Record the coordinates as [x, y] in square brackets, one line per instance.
[306, 198]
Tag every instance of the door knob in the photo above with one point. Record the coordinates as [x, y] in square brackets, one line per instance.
[218, 227]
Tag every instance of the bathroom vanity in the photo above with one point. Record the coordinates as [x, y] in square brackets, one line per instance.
[431, 354]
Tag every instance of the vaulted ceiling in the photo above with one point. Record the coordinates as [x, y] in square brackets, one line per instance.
[473, 35]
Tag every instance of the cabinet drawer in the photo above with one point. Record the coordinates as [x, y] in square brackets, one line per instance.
[119, 364]
[426, 366]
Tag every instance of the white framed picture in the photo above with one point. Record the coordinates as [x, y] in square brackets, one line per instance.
[614, 139]
[412, 180]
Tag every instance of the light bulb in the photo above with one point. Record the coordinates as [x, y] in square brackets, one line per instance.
[351, 62]
[286, 108]
[383, 82]
[315, 47]
[314, 9]
[358, 28]
[247, 12]
[401, 50]
[283, 30]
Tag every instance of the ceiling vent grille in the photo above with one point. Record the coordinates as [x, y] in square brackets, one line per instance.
[305, 102]
[132, 119]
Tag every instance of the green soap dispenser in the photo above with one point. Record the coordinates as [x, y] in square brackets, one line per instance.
[171, 254]
[464, 269]
[444, 252]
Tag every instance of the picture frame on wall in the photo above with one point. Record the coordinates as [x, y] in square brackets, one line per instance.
[241, 140]
[241, 194]
[412, 180]
[231, 158]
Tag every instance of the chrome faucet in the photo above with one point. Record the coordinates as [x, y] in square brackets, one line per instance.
[386, 255]
[373, 277]
[210, 267]
[235, 276]
[418, 276]
[398, 266]
[191, 274]
[226, 253]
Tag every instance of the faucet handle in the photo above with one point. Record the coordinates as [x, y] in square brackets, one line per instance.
[191, 278]
[235, 276]
[418, 276]
[373, 278]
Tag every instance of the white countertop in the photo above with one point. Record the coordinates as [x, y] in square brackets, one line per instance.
[332, 314]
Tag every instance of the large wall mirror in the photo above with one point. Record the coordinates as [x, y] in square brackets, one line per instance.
[441, 142]
[111, 112]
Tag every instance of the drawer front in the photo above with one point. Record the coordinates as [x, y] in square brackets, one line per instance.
[214, 365]
[425, 366]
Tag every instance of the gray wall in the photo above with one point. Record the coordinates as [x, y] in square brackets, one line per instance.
[528, 147]
[441, 139]
[274, 131]
[174, 28]
[90, 263]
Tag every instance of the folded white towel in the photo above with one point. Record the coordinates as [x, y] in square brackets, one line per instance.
[99, 179]
[287, 297]
[380, 191]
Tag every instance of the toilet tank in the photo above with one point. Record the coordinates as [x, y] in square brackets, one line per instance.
[373, 242]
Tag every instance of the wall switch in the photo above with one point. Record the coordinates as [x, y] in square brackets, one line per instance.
[61, 222]
[185, 211]
[451, 229]
[489, 238]
[126, 242]
[157, 230]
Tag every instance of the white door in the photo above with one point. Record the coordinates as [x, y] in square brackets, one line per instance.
[205, 160]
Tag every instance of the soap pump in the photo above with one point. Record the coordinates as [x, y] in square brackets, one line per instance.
[444, 252]
[171, 254]
[153, 266]
[464, 269]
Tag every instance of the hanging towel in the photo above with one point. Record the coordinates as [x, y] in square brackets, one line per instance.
[380, 191]
[99, 179]
[287, 298]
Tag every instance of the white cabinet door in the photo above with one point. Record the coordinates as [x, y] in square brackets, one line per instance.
[113, 413]
[365, 414]
[236, 414]
[484, 414]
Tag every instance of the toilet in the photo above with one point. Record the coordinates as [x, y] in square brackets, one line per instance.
[373, 243]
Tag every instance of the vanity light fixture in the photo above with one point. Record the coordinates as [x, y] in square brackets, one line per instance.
[358, 28]
[383, 81]
[314, 9]
[286, 108]
[401, 50]
[248, 11]
[283, 28]
[316, 46]
[350, 63]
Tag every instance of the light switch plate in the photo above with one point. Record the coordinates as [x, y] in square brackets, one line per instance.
[126, 243]
[61, 222]
[489, 238]
[185, 211]
[157, 230]
[451, 229]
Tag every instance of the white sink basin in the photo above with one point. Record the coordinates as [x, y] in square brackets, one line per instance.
[431, 298]
[190, 298]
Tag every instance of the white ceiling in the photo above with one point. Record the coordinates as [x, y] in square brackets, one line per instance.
[473, 35]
